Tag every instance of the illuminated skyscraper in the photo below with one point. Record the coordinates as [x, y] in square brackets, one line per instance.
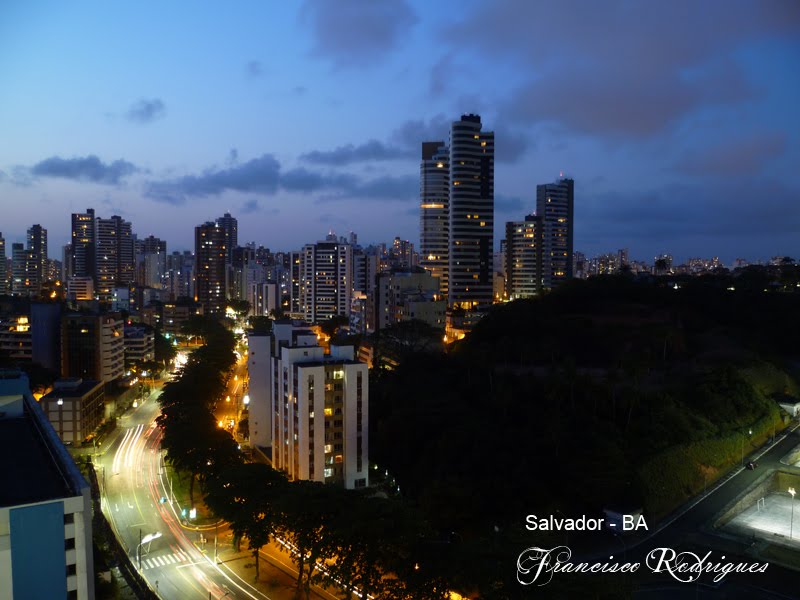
[554, 206]
[83, 244]
[471, 211]
[434, 190]
[210, 268]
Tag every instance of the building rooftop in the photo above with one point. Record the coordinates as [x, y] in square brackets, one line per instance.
[37, 467]
[72, 387]
[328, 362]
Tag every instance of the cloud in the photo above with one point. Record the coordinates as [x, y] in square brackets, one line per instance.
[674, 211]
[254, 69]
[348, 154]
[628, 77]
[89, 168]
[250, 206]
[413, 132]
[509, 204]
[744, 156]
[146, 111]
[257, 175]
[299, 90]
[264, 175]
[353, 33]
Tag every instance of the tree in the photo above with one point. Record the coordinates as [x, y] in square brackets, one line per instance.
[260, 324]
[240, 307]
[246, 495]
[330, 326]
[306, 518]
[164, 351]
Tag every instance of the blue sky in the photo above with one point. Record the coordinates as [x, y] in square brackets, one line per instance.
[677, 120]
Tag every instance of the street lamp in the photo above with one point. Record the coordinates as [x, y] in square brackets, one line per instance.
[750, 432]
[791, 523]
[145, 540]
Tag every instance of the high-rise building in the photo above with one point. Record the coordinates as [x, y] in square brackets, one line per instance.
[471, 212]
[210, 269]
[37, 243]
[434, 190]
[92, 346]
[319, 406]
[66, 262]
[523, 269]
[230, 226]
[25, 271]
[402, 296]
[83, 244]
[3, 273]
[180, 275]
[45, 504]
[151, 261]
[555, 206]
[114, 255]
[326, 280]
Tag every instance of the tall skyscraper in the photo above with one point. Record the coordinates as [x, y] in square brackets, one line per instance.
[3, 273]
[114, 255]
[523, 258]
[554, 206]
[230, 226]
[37, 243]
[151, 262]
[434, 190]
[471, 212]
[326, 280]
[210, 268]
[25, 275]
[83, 244]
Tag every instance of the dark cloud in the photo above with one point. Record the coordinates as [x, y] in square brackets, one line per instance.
[233, 156]
[263, 175]
[254, 69]
[509, 144]
[146, 111]
[353, 33]
[441, 75]
[747, 209]
[632, 76]
[89, 168]
[412, 133]
[509, 204]
[257, 175]
[386, 188]
[744, 156]
[348, 154]
[616, 102]
[250, 206]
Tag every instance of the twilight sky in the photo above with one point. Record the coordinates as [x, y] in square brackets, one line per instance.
[678, 120]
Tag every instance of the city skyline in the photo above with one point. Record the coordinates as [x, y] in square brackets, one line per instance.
[675, 122]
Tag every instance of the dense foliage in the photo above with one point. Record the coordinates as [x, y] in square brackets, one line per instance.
[606, 393]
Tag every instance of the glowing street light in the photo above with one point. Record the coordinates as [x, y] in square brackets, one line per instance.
[227, 398]
[246, 399]
[791, 523]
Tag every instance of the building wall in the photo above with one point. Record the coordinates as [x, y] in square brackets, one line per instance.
[259, 373]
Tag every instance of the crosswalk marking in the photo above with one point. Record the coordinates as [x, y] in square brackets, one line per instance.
[164, 560]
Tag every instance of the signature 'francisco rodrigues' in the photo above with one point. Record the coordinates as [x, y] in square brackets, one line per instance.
[538, 565]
